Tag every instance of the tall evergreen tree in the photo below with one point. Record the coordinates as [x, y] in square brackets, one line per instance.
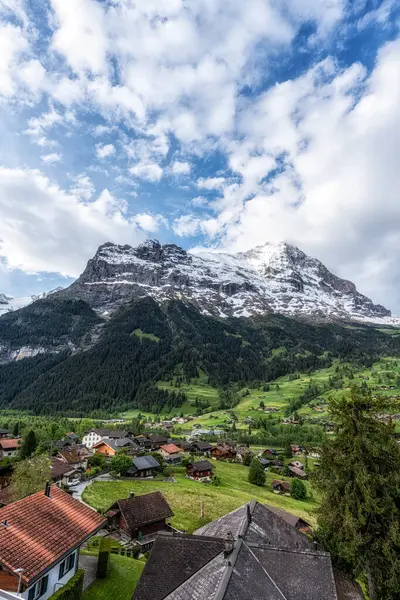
[256, 472]
[359, 479]
[29, 445]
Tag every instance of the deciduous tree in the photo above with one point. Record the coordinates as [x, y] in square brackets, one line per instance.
[30, 476]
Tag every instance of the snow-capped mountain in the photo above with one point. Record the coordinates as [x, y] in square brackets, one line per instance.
[270, 278]
[9, 304]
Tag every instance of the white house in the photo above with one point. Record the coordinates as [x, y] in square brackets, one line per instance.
[53, 527]
[94, 436]
[9, 447]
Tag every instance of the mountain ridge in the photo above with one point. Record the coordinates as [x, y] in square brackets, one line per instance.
[272, 278]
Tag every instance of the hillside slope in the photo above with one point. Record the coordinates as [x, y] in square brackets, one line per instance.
[116, 364]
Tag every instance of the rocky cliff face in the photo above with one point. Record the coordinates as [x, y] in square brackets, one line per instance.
[270, 278]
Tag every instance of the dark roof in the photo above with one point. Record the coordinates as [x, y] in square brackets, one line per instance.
[269, 560]
[111, 433]
[283, 514]
[284, 484]
[264, 461]
[157, 439]
[142, 510]
[59, 467]
[145, 462]
[201, 465]
[2, 431]
[200, 445]
[118, 443]
[41, 529]
[297, 471]
[173, 560]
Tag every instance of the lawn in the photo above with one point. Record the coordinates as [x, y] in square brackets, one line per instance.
[186, 496]
[120, 583]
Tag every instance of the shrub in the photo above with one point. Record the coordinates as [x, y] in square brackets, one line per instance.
[104, 558]
[97, 460]
[298, 490]
[71, 590]
[121, 463]
[256, 472]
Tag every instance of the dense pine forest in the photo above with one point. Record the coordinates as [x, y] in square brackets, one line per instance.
[107, 365]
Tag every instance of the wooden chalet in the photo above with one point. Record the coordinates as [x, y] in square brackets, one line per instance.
[299, 473]
[139, 518]
[171, 453]
[281, 487]
[200, 447]
[224, 451]
[144, 466]
[200, 471]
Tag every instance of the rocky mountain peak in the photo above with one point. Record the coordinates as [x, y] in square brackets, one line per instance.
[268, 278]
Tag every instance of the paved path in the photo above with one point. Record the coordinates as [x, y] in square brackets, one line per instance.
[79, 489]
[89, 565]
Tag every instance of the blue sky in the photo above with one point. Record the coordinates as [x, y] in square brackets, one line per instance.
[214, 123]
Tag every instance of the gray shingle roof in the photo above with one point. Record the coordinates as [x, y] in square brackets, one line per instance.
[142, 510]
[202, 465]
[270, 560]
[145, 462]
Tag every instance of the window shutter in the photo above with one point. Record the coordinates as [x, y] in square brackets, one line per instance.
[61, 571]
[31, 594]
[44, 583]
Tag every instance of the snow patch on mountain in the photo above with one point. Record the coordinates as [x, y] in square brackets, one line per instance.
[9, 304]
[272, 278]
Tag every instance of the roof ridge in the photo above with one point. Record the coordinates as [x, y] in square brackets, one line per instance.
[288, 550]
[231, 562]
[191, 536]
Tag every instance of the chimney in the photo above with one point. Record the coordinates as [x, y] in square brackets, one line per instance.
[131, 494]
[47, 489]
[229, 544]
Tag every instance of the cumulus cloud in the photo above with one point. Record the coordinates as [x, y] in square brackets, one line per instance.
[150, 223]
[51, 158]
[186, 225]
[180, 168]
[149, 171]
[104, 150]
[45, 228]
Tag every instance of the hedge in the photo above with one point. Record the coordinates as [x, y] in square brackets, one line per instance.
[72, 590]
[104, 557]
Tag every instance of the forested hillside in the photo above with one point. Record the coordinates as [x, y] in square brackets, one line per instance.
[144, 343]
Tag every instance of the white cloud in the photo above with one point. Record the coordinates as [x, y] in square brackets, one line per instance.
[52, 158]
[83, 187]
[180, 168]
[150, 223]
[147, 171]
[186, 225]
[211, 183]
[45, 228]
[12, 44]
[199, 201]
[104, 150]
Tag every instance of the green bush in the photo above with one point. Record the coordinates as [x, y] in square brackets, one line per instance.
[256, 472]
[71, 590]
[298, 490]
[247, 459]
[104, 558]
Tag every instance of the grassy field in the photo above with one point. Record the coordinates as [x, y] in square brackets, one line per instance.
[120, 583]
[185, 496]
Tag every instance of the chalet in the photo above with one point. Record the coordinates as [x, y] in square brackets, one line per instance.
[224, 451]
[157, 440]
[183, 445]
[271, 452]
[251, 552]
[296, 463]
[94, 436]
[281, 487]
[171, 453]
[4, 433]
[299, 473]
[10, 447]
[295, 449]
[63, 473]
[276, 463]
[53, 527]
[140, 518]
[144, 466]
[143, 442]
[200, 471]
[265, 462]
[76, 457]
[200, 447]
[110, 447]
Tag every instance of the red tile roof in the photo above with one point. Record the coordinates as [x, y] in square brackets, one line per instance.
[171, 448]
[41, 530]
[10, 444]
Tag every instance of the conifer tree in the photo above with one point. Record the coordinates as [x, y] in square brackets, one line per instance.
[29, 445]
[359, 480]
[256, 472]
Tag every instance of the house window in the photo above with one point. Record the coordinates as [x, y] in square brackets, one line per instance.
[66, 565]
[39, 589]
